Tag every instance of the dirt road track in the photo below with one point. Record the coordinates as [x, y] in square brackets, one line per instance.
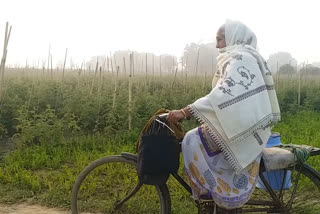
[30, 209]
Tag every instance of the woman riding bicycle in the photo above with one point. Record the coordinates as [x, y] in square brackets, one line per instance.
[222, 156]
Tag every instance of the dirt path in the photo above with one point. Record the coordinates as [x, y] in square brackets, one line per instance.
[30, 209]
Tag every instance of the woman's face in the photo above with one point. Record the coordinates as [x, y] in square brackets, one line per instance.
[221, 42]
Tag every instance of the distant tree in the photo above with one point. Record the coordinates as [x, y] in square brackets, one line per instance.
[92, 63]
[280, 58]
[311, 70]
[200, 57]
[287, 69]
[122, 58]
[316, 64]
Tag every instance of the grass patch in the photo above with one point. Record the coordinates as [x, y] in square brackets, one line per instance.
[45, 173]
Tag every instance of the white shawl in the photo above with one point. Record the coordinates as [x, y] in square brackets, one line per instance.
[243, 103]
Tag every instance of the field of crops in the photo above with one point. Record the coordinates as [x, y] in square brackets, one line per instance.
[58, 125]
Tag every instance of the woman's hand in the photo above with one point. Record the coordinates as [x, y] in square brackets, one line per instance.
[175, 116]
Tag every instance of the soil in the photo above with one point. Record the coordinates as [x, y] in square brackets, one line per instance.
[29, 209]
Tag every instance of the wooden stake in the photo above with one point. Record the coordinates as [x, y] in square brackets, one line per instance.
[160, 65]
[124, 66]
[108, 69]
[51, 70]
[130, 92]
[204, 81]
[64, 64]
[278, 77]
[95, 74]
[299, 85]
[115, 88]
[100, 79]
[111, 63]
[175, 75]
[146, 69]
[3, 60]
[79, 74]
[197, 62]
[153, 65]
[186, 72]
[133, 64]
[49, 54]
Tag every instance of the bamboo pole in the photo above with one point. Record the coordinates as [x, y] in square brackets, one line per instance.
[186, 72]
[204, 81]
[49, 54]
[3, 60]
[182, 69]
[79, 74]
[288, 73]
[100, 79]
[84, 67]
[114, 60]
[64, 64]
[132, 65]
[124, 66]
[175, 75]
[141, 66]
[278, 77]
[146, 64]
[115, 88]
[95, 74]
[304, 74]
[160, 65]
[172, 69]
[146, 69]
[153, 65]
[111, 64]
[299, 85]
[130, 93]
[71, 64]
[108, 69]
[197, 62]
[104, 66]
[51, 69]
[43, 68]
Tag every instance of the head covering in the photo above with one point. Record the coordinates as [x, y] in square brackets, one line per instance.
[237, 33]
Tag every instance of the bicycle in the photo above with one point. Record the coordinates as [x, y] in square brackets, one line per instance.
[127, 194]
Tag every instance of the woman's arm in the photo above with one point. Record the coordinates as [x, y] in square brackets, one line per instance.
[186, 112]
[176, 115]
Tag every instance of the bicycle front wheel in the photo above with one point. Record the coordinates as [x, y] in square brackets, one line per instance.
[109, 180]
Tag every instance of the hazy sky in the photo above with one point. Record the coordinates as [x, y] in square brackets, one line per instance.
[91, 28]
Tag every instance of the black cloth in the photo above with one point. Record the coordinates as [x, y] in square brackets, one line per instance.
[158, 154]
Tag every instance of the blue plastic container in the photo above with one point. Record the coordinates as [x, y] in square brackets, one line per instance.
[275, 177]
[274, 140]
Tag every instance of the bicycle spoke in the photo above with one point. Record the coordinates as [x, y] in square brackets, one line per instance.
[300, 194]
[114, 187]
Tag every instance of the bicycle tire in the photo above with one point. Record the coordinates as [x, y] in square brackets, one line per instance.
[305, 199]
[86, 197]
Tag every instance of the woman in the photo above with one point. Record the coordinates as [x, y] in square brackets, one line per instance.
[222, 156]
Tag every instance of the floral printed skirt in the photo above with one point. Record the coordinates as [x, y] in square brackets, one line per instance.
[210, 174]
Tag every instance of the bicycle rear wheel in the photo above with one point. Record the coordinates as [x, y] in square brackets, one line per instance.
[299, 194]
[108, 180]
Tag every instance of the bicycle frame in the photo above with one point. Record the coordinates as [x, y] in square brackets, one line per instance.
[276, 201]
[275, 204]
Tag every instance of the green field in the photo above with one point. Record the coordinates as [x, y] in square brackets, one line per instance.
[57, 126]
